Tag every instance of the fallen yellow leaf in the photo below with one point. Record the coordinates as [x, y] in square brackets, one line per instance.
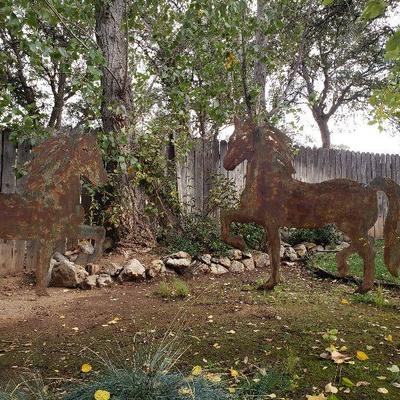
[214, 378]
[197, 370]
[389, 338]
[234, 373]
[85, 368]
[320, 396]
[362, 356]
[102, 395]
[185, 391]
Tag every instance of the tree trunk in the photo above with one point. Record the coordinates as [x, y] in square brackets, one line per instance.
[116, 111]
[112, 40]
[325, 132]
[58, 107]
[260, 73]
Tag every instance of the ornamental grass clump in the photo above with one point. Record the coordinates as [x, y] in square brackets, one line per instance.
[147, 375]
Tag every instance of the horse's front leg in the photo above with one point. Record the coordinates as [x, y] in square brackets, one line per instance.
[274, 247]
[227, 217]
[45, 252]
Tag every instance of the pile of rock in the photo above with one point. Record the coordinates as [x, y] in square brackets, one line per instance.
[67, 270]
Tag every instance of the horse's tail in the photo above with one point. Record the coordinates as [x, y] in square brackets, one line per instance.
[391, 230]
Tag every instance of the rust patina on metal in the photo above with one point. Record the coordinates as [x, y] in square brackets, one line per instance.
[49, 209]
[273, 199]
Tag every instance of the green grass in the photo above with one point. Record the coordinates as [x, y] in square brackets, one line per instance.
[176, 289]
[327, 261]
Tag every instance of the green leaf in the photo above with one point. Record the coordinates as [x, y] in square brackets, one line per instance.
[392, 51]
[374, 9]
[327, 3]
[347, 382]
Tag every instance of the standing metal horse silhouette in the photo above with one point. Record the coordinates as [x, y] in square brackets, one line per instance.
[273, 199]
[49, 209]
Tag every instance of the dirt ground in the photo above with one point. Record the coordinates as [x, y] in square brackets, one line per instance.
[223, 322]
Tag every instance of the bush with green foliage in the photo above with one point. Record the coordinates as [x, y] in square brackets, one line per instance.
[196, 235]
[253, 235]
[326, 236]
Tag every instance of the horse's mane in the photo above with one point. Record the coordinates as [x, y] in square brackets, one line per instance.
[282, 149]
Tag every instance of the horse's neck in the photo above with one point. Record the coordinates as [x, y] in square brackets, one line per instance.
[261, 170]
[63, 192]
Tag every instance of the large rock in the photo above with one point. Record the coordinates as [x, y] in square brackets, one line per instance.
[290, 254]
[217, 269]
[249, 264]
[235, 254]
[237, 267]
[90, 282]
[157, 267]
[65, 273]
[133, 270]
[342, 245]
[104, 280]
[179, 261]
[301, 250]
[178, 264]
[111, 268]
[200, 268]
[261, 260]
[224, 261]
[205, 258]
[86, 247]
[309, 245]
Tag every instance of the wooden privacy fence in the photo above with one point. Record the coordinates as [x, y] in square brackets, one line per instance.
[15, 255]
[311, 164]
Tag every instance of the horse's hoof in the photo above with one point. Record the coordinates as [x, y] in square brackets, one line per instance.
[362, 289]
[42, 292]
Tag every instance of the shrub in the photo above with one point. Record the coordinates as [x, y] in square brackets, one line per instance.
[172, 290]
[197, 234]
[326, 236]
[253, 235]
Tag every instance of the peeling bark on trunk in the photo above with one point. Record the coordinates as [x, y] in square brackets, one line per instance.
[116, 111]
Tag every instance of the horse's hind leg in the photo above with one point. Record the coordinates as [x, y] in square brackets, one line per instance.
[341, 260]
[365, 248]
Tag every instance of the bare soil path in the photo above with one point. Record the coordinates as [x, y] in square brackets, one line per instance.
[224, 323]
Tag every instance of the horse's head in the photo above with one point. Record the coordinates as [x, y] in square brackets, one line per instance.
[241, 144]
[92, 166]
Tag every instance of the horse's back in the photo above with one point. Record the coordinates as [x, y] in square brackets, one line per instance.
[21, 218]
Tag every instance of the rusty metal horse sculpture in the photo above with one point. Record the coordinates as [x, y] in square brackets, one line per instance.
[49, 210]
[273, 199]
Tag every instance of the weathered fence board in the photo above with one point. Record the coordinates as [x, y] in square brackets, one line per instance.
[311, 164]
[13, 252]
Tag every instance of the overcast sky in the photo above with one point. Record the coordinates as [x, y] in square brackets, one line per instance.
[355, 133]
